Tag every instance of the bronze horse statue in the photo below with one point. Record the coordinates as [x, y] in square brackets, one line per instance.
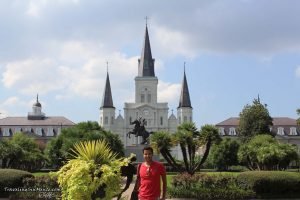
[139, 130]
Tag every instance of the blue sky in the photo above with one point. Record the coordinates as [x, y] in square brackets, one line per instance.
[233, 49]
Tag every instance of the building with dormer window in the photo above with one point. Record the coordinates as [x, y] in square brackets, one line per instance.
[285, 129]
[36, 124]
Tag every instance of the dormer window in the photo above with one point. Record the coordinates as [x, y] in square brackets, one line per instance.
[6, 132]
[50, 132]
[18, 130]
[38, 131]
[221, 131]
[293, 131]
[232, 131]
[280, 131]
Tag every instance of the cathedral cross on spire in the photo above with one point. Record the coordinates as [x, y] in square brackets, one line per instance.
[146, 18]
[107, 66]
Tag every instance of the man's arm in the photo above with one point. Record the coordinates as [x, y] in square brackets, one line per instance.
[164, 185]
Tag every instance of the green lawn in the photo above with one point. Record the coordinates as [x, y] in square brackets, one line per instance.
[37, 174]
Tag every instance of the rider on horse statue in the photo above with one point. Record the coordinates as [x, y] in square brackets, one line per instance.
[139, 129]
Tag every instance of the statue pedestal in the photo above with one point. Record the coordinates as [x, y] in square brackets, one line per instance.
[138, 151]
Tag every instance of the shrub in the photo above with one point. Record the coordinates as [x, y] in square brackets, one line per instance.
[203, 186]
[39, 188]
[271, 183]
[11, 179]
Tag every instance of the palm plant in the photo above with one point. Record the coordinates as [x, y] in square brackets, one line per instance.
[162, 142]
[190, 141]
[93, 172]
[96, 150]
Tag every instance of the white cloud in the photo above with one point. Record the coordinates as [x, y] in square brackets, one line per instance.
[168, 92]
[298, 72]
[33, 76]
[79, 68]
[172, 42]
[11, 101]
[12, 104]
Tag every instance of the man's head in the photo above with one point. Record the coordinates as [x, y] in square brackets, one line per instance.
[148, 154]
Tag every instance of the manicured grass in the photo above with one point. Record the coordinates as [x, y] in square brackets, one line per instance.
[37, 174]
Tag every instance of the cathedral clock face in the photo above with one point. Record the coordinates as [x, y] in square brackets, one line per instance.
[146, 112]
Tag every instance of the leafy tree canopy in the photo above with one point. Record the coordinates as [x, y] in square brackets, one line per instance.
[254, 120]
[58, 149]
[263, 152]
[224, 154]
[21, 152]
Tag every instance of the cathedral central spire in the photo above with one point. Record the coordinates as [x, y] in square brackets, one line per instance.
[146, 62]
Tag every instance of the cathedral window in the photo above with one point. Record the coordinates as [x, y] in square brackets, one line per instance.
[280, 131]
[130, 120]
[112, 120]
[149, 98]
[161, 121]
[293, 131]
[142, 98]
[185, 119]
[105, 120]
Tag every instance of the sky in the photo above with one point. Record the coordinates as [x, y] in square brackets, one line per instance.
[234, 50]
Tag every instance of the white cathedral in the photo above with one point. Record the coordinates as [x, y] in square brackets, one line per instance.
[145, 106]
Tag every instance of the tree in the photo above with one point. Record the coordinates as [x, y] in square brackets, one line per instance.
[162, 142]
[58, 149]
[224, 154]
[21, 152]
[263, 152]
[191, 141]
[254, 120]
[93, 171]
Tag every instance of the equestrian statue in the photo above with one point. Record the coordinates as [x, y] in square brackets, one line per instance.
[139, 130]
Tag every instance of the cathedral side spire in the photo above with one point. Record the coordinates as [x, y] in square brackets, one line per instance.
[107, 101]
[184, 100]
[146, 62]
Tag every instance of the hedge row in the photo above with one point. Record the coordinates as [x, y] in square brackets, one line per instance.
[11, 179]
[271, 183]
[253, 184]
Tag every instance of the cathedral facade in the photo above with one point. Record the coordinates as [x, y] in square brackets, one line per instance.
[145, 106]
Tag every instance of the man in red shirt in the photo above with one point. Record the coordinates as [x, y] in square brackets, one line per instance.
[150, 174]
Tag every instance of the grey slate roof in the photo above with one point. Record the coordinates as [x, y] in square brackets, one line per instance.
[146, 62]
[184, 100]
[47, 121]
[107, 101]
[232, 121]
[277, 121]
